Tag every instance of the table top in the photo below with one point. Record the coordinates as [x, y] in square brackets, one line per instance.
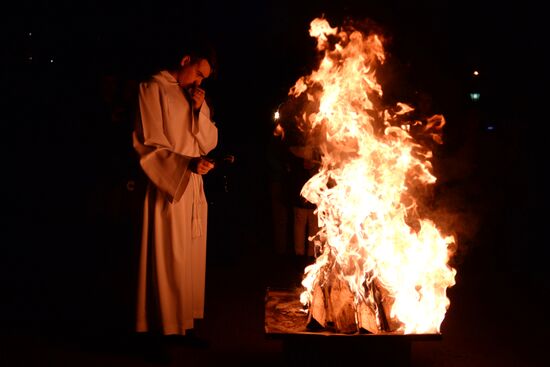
[285, 316]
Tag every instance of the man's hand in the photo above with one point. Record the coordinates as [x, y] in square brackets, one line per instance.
[197, 97]
[200, 165]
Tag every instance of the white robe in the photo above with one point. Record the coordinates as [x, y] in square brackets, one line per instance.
[173, 247]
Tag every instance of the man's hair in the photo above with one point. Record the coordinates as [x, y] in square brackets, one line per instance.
[196, 48]
[202, 50]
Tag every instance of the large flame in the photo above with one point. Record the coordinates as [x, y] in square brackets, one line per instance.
[371, 166]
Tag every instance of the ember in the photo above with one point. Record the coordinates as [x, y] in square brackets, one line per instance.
[382, 267]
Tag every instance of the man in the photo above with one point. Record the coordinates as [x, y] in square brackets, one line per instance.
[173, 132]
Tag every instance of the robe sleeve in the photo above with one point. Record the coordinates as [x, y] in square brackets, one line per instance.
[204, 130]
[167, 170]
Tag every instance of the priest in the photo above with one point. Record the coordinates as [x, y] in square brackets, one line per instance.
[173, 132]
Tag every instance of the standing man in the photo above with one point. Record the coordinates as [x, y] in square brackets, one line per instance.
[173, 132]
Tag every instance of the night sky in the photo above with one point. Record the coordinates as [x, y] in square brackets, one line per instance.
[60, 157]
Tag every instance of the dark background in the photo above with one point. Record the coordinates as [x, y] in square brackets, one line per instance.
[69, 246]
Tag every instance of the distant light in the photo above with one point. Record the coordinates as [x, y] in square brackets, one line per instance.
[476, 73]
[30, 34]
[475, 96]
[490, 127]
[30, 58]
[276, 115]
[51, 61]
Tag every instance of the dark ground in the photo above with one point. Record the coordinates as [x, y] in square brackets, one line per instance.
[68, 257]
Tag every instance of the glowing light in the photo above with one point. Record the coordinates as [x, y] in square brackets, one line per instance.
[276, 115]
[476, 73]
[475, 96]
[371, 233]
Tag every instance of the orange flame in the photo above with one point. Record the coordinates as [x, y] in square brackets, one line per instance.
[363, 191]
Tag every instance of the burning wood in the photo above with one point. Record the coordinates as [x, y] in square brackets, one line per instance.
[333, 307]
[383, 267]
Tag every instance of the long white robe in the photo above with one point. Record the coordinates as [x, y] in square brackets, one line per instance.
[172, 266]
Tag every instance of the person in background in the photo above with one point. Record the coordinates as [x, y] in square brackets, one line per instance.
[301, 162]
[302, 166]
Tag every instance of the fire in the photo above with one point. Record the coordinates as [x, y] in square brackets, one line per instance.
[372, 238]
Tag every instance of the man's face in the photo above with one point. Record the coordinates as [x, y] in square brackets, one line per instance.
[191, 75]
